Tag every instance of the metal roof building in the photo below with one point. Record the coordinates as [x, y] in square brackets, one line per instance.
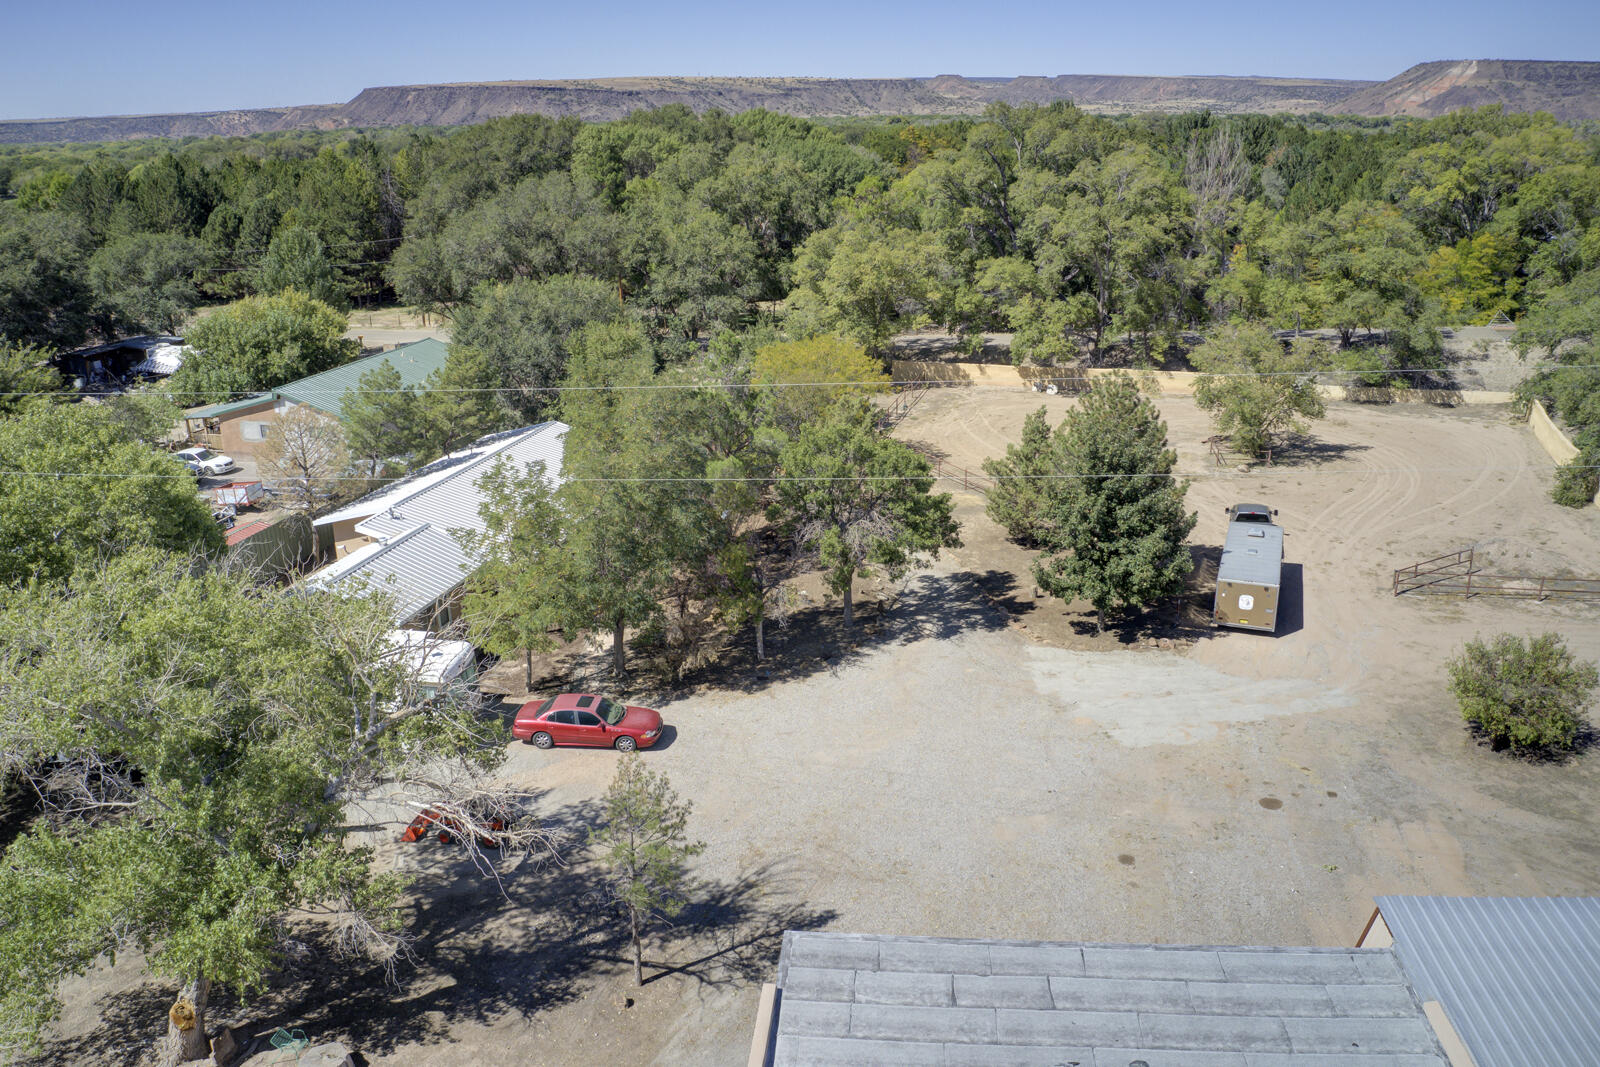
[402, 541]
[864, 999]
[1519, 977]
[326, 391]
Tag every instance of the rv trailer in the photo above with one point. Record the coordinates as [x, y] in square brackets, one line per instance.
[1250, 575]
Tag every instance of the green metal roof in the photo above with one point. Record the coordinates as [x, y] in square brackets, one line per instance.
[326, 391]
[216, 411]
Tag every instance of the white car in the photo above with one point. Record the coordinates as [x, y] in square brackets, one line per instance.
[206, 462]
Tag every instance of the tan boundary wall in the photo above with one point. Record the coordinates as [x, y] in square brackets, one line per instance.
[1548, 434]
[1168, 382]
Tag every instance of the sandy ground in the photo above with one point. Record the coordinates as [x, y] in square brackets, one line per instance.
[982, 765]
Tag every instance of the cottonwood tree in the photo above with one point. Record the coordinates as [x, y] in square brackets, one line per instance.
[803, 379]
[263, 341]
[1526, 693]
[205, 753]
[297, 259]
[306, 453]
[645, 849]
[1116, 519]
[1256, 387]
[859, 500]
[85, 490]
[1022, 491]
[25, 369]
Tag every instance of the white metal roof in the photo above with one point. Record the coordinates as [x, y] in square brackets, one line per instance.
[413, 555]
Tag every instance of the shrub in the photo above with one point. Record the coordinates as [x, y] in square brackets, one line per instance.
[1526, 694]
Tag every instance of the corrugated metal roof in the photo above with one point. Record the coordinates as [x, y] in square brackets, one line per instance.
[325, 392]
[414, 360]
[1519, 977]
[413, 556]
[1252, 553]
[862, 998]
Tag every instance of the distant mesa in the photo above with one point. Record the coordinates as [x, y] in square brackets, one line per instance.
[1571, 91]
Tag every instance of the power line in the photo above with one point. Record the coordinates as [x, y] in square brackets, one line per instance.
[679, 386]
[780, 479]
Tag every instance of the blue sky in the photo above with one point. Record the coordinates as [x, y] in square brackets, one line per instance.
[73, 57]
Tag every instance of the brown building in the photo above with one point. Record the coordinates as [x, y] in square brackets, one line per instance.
[241, 427]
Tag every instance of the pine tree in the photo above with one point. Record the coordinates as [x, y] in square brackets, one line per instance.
[1117, 523]
[1022, 489]
[380, 420]
[646, 849]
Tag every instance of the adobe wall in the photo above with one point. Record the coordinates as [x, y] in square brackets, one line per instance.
[1168, 383]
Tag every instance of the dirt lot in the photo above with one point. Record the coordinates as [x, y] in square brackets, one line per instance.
[983, 765]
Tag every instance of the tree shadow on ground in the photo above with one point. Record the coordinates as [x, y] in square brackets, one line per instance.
[1302, 450]
[938, 606]
[545, 939]
[1185, 618]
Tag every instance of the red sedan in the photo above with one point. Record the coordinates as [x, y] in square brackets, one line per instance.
[586, 719]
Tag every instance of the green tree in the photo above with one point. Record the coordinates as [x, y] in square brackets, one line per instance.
[645, 850]
[45, 297]
[866, 282]
[382, 427]
[860, 500]
[296, 259]
[1107, 235]
[508, 605]
[805, 378]
[622, 526]
[198, 740]
[1022, 488]
[260, 342]
[1528, 693]
[86, 491]
[1116, 520]
[459, 403]
[25, 369]
[1256, 387]
[147, 281]
[525, 329]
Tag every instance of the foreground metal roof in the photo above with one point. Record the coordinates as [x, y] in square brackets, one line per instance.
[1519, 977]
[862, 999]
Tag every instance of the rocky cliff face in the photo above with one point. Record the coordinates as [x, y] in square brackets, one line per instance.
[1570, 91]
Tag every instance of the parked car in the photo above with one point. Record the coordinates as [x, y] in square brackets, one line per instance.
[205, 462]
[587, 719]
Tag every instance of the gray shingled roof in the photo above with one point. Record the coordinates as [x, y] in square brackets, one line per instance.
[861, 999]
[1519, 977]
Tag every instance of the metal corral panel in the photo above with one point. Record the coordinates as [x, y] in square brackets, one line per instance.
[1519, 977]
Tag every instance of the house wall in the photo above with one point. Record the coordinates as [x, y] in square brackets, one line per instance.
[229, 436]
